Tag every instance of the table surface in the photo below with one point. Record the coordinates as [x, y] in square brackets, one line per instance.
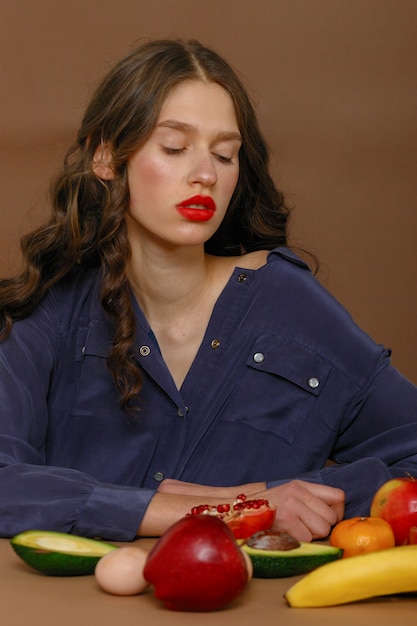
[29, 597]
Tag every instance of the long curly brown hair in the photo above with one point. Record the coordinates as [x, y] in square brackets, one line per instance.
[87, 227]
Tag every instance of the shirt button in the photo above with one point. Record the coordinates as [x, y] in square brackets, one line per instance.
[159, 476]
[181, 413]
[258, 357]
[145, 350]
[241, 278]
[313, 382]
[215, 343]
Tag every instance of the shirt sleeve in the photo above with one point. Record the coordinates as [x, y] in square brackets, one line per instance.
[377, 439]
[33, 494]
[62, 499]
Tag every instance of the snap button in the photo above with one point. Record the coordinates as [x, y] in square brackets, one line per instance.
[215, 343]
[159, 476]
[241, 278]
[144, 350]
[258, 357]
[313, 382]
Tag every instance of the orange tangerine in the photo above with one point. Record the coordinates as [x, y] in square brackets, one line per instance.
[360, 535]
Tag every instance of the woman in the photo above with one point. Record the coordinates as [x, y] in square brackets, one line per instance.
[163, 346]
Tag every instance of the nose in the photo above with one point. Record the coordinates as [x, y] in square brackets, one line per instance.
[203, 170]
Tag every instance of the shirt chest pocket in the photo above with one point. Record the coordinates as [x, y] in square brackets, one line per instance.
[95, 391]
[280, 388]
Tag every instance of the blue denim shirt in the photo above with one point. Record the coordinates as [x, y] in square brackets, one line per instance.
[284, 380]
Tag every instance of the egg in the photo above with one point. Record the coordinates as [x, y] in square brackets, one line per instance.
[120, 572]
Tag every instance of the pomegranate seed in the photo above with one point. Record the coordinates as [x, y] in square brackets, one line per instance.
[201, 508]
[250, 504]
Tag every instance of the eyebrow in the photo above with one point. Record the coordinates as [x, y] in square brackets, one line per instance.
[189, 128]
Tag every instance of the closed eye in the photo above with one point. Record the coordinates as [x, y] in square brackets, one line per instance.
[224, 159]
[168, 150]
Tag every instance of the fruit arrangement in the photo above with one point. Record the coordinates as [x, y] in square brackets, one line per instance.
[205, 561]
[201, 563]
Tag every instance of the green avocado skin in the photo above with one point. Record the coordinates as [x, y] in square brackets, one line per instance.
[57, 564]
[282, 564]
[56, 560]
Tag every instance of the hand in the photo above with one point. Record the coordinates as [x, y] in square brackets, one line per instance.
[305, 510]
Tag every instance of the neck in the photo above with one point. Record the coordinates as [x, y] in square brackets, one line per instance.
[164, 281]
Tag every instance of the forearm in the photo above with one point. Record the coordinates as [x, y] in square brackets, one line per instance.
[166, 508]
[205, 491]
[175, 499]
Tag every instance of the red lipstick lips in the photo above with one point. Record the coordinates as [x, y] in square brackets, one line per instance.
[197, 209]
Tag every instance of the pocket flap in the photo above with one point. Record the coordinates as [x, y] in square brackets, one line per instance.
[290, 360]
[97, 343]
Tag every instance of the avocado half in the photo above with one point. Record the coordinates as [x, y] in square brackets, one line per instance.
[59, 554]
[282, 563]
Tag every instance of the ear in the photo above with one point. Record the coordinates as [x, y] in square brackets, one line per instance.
[102, 162]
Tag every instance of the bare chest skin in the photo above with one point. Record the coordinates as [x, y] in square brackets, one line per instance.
[180, 338]
[180, 334]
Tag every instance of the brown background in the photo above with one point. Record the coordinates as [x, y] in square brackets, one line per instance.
[335, 85]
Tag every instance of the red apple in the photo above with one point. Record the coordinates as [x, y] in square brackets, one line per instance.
[396, 502]
[196, 565]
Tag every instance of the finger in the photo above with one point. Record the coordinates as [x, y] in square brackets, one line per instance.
[340, 511]
[320, 509]
[296, 528]
[311, 519]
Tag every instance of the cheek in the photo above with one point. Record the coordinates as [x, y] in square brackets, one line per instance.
[231, 183]
[157, 171]
[146, 176]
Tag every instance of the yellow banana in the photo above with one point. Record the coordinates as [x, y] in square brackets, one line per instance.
[380, 573]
